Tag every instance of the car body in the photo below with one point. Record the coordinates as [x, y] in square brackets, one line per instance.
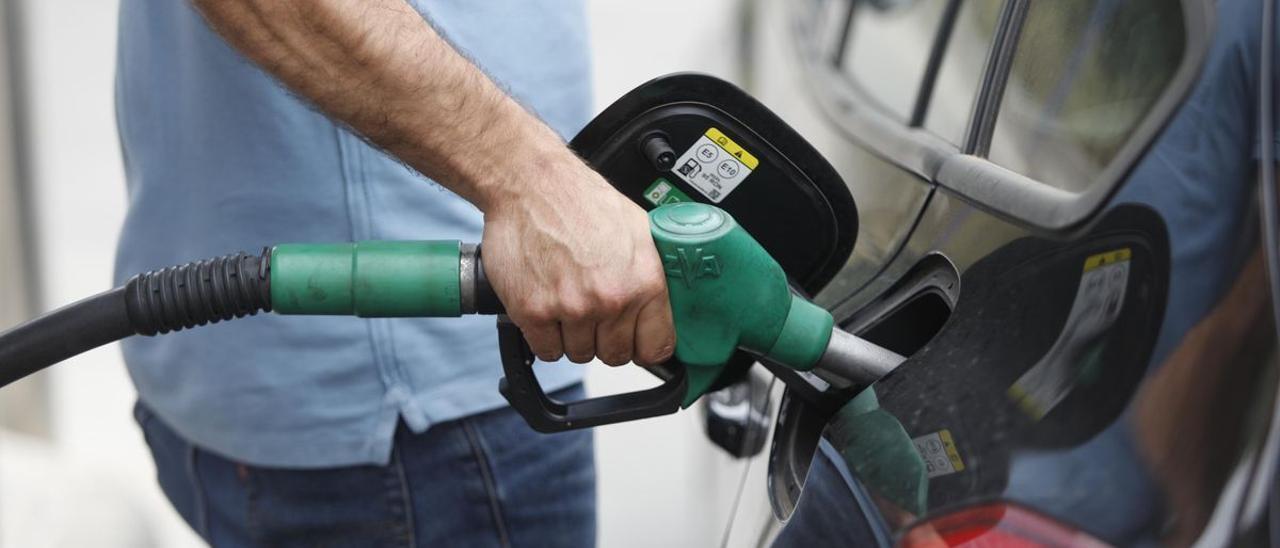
[1065, 383]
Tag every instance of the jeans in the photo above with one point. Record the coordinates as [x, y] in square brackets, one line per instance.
[485, 480]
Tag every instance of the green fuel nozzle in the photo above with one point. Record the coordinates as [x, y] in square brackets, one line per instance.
[727, 295]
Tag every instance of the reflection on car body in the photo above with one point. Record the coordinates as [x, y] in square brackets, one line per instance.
[1099, 365]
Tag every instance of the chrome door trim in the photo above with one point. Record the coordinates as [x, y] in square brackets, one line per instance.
[1000, 191]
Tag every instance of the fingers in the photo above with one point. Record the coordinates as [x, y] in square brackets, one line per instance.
[644, 336]
[607, 329]
[655, 338]
[615, 337]
[544, 339]
[579, 336]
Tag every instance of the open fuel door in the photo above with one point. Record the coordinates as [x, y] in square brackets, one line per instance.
[695, 137]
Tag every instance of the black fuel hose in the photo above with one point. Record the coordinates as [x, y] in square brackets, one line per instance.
[156, 302]
[63, 333]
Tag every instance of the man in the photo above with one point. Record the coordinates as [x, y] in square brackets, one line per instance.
[251, 122]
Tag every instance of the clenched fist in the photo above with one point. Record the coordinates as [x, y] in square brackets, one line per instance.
[575, 266]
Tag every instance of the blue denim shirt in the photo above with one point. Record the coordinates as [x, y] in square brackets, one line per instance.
[220, 158]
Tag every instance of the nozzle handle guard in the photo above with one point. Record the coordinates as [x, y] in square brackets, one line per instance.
[520, 386]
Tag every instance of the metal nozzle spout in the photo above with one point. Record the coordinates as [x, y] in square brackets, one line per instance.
[853, 361]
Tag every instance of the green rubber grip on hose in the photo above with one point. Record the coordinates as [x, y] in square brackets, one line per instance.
[367, 279]
[876, 447]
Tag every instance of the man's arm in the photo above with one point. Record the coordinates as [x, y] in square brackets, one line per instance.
[569, 256]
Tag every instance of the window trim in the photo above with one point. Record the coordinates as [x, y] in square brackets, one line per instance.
[855, 114]
[964, 171]
[941, 41]
[995, 76]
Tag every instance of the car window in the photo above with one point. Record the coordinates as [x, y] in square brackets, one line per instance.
[887, 49]
[961, 69]
[1084, 76]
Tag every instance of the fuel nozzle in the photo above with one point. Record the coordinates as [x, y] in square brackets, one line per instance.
[728, 294]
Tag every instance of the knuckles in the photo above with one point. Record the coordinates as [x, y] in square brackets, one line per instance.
[575, 309]
[611, 303]
[589, 304]
[537, 312]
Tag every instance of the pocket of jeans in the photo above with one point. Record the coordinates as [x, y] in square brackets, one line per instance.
[344, 506]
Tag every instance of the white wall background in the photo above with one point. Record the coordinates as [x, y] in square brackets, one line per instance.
[661, 483]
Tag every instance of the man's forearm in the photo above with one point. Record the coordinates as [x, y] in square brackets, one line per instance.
[377, 66]
[576, 268]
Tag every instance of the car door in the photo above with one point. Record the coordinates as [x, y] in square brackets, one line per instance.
[1090, 355]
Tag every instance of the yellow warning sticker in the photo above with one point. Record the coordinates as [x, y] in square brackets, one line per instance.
[939, 452]
[732, 148]
[1111, 257]
[715, 165]
[953, 454]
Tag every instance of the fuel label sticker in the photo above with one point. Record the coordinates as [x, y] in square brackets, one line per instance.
[715, 165]
[662, 192]
[939, 453]
[1078, 349]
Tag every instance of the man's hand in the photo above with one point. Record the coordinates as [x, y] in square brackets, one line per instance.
[575, 265]
[571, 259]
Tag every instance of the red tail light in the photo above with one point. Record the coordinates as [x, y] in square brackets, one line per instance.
[995, 525]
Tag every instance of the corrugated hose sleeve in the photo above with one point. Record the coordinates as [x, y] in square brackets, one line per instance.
[199, 293]
[157, 302]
